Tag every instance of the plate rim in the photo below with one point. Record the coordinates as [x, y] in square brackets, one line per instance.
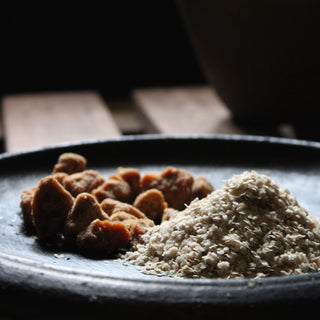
[162, 137]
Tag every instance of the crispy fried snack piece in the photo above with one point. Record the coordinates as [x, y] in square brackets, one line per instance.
[25, 205]
[122, 216]
[111, 206]
[132, 177]
[201, 187]
[152, 204]
[115, 188]
[50, 206]
[60, 176]
[84, 181]
[175, 184]
[70, 163]
[103, 238]
[137, 228]
[85, 209]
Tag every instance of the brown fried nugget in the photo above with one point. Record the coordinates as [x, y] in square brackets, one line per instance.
[137, 228]
[122, 216]
[70, 163]
[115, 188]
[84, 181]
[152, 204]
[84, 210]
[111, 206]
[50, 206]
[201, 187]
[103, 238]
[132, 177]
[60, 176]
[25, 205]
[175, 184]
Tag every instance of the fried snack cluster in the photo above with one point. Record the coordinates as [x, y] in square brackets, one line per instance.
[99, 216]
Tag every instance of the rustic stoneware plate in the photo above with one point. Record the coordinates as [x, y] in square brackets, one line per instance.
[38, 277]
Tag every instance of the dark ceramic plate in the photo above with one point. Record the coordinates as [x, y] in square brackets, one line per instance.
[26, 268]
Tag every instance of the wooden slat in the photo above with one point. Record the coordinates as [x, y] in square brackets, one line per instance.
[37, 120]
[184, 110]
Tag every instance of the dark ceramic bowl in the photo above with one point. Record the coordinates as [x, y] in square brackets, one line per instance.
[261, 57]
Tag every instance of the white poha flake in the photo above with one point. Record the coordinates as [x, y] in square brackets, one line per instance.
[249, 228]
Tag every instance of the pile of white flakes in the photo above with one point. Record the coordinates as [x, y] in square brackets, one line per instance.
[249, 228]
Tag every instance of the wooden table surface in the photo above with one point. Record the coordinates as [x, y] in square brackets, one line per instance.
[44, 119]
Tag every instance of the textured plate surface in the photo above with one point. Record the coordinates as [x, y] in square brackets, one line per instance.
[27, 267]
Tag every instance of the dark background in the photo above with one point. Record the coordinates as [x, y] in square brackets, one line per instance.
[110, 46]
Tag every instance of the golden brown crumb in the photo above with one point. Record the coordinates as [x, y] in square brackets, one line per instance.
[132, 177]
[25, 205]
[84, 210]
[122, 216]
[70, 163]
[175, 184]
[137, 228]
[151, 203]
[201, 187]
[115, 188]
[111, 206]
[103, 238]
[50, 206]
[84, 181]
[60, 176]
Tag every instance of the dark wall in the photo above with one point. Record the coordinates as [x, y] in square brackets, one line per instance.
[111, 46]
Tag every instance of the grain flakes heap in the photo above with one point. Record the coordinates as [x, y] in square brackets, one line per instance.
[249, 228]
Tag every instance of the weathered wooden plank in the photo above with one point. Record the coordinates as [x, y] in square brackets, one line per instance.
[184, 110]
[37, 120]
